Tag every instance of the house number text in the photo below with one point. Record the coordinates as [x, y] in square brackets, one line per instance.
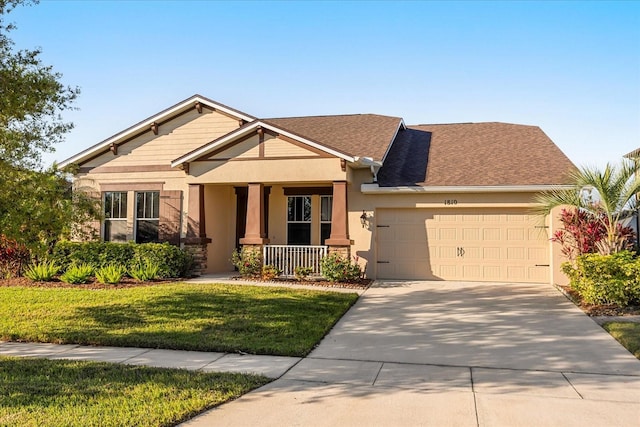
[450, 202]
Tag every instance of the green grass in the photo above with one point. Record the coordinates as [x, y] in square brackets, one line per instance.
[40, 392]
[210, 317]
[627, 334]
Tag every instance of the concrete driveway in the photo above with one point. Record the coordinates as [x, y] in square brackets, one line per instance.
[452, 353]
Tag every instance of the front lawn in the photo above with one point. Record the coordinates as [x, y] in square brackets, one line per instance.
[208, 317]
[40, 392]
[627, 334]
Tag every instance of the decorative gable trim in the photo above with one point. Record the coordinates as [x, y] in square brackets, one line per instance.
[195, 102]
[247, 130]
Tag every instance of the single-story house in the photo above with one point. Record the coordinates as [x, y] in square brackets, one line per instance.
[430, 201]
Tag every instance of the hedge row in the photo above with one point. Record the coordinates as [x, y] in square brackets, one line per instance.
[173, 261]
[606, 279]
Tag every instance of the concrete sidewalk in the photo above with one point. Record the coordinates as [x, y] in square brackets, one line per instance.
[452, 354]
[269, 366]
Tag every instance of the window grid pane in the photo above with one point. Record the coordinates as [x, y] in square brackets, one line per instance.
[326, 206]
[148, 205]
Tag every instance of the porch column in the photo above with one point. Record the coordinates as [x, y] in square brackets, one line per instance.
[255, 230]
[196, 241]
[339, 240]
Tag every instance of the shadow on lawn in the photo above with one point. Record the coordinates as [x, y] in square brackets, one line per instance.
[271, 322]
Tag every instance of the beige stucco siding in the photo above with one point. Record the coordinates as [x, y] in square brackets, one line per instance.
[220, 214]
[266, 171]
[175, 138]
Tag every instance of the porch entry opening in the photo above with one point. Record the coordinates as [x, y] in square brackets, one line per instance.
[299, 219]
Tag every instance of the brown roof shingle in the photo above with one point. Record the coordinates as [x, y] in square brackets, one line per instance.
[363, 135]
[475, 154]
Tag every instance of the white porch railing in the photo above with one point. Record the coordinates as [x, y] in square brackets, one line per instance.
[287, 257]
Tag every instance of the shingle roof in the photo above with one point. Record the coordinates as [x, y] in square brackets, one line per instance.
[474, 154]
[363, 135]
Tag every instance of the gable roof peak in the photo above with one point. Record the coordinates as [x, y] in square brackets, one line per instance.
[144, 125]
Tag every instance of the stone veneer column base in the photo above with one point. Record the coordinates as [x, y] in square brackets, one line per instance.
[344, 251]
[199, 254]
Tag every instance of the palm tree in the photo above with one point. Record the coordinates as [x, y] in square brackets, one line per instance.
[615, 198]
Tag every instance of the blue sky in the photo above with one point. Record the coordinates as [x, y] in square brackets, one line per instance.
[572, 68]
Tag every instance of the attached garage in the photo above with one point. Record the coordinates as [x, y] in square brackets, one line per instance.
[486, 244]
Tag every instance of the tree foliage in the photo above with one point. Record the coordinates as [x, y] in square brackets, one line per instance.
[33, 98]
[608, 195]
[37, 206]
[40, 208]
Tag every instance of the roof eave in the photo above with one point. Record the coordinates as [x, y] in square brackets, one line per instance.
[376, 189]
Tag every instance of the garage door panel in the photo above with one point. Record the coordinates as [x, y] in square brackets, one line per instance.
[515, 234]
[448, 234]
[491, 234]
[471, 234]
[491, 253]
[472, 253]
[462, 244]
[491, 272]
[515, 253]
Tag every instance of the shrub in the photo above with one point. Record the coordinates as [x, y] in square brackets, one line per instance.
[144, 271]
[76, 274]
[97, 254]
[584, 232]
[302, 273]
[42, 272]
[111, 273]
[14, 257]
[606, 279]
[270, 272]
[336, 268]
[171, 260]
[248, 262]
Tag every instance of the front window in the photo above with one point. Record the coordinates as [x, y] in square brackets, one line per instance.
[147, 216]
[299, 220]
[115, 217]
[326, 205]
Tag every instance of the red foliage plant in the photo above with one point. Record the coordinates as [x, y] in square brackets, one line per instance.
[14, 257]
[583, 230]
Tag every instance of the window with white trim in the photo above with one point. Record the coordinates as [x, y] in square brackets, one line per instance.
[326, 206]
[299, 220]
[114, 228]
[147, 216]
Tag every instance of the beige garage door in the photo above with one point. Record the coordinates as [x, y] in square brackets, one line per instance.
[461, 244]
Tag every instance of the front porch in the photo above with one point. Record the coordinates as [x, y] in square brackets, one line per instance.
[290, 226]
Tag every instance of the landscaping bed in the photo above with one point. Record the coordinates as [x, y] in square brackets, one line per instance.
[360, 284]
[595, 310]
[125, 282]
